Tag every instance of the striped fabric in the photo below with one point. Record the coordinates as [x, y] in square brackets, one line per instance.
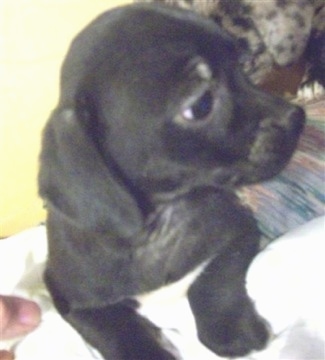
[298, 193]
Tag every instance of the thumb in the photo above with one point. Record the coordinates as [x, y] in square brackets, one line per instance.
[17, 316]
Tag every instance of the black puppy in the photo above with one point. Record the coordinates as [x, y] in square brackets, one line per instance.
[155, 127]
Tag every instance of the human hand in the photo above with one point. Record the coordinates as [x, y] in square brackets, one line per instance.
[17, 317]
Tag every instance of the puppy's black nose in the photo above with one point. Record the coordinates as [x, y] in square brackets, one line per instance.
[296, 120]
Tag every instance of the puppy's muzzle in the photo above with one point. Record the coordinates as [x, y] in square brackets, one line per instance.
[275, 141]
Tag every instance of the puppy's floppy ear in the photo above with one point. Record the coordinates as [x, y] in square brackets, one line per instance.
[75, 180]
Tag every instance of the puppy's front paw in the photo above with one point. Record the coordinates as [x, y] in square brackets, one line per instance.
[233, 336]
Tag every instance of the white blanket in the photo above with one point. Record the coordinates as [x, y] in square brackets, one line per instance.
[285, 281]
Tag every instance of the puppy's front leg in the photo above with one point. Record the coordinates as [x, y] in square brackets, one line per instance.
[226, 320]
[119, 333]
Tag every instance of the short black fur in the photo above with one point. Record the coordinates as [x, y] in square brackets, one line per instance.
[140, 188]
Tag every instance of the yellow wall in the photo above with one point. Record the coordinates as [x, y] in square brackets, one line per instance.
[34, 36]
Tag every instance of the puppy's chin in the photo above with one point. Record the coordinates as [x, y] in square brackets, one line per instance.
[245, 173]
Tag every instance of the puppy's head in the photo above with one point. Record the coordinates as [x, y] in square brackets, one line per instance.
[152, 101]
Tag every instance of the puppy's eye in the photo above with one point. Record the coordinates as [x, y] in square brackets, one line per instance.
[200, 109]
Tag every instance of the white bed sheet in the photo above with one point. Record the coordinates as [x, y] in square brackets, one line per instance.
[286, 282]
